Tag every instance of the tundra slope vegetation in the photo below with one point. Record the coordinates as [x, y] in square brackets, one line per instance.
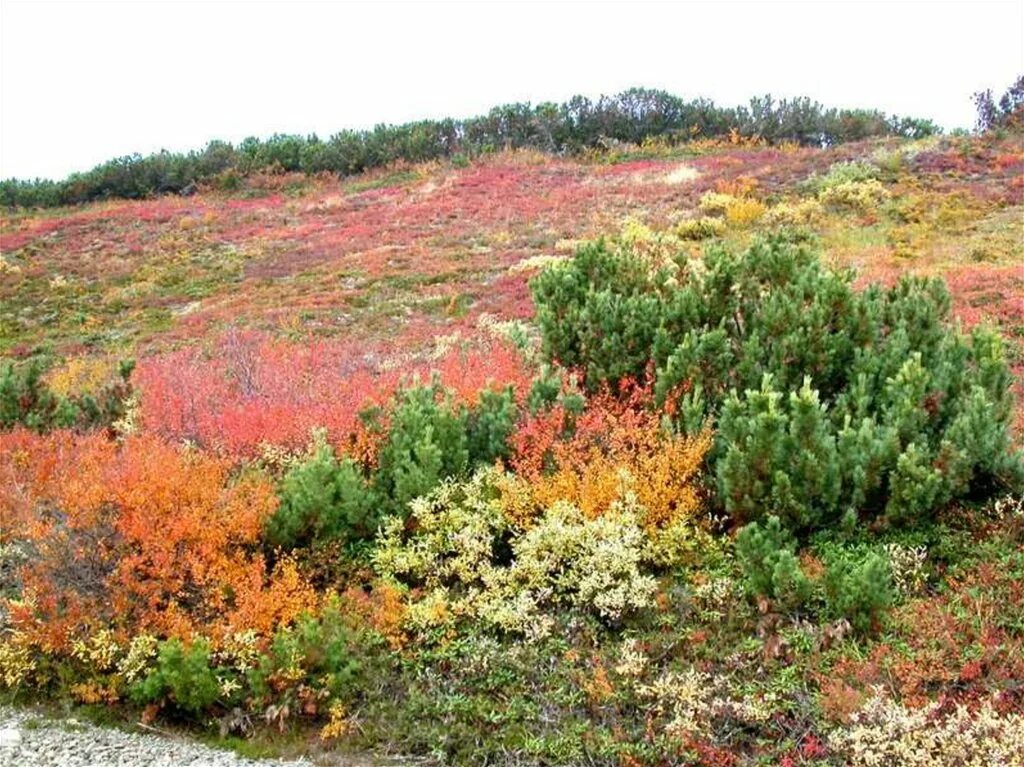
[695, 454]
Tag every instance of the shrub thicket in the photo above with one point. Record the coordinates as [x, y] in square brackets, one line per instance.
[182, 678]
[578, 124]
[855, 584]
[27, 400]
[429, 437]
[323, 498]
[828, 400]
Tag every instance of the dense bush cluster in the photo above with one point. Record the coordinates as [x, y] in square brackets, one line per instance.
[703, 510]
[827, 400]
[426, 437]
[580, 123]
[855, 585]
[27, 400]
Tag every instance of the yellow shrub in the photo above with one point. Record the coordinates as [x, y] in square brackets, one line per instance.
[789, 213]
[715, 203]
[660, 472]
[17, 660]
[83, 374]
[744, 212]
[862, 196]
[700, 229]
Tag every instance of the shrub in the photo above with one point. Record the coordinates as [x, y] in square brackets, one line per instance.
[858, 587]
[465, 560]
[183, 677]
[594, 564]
[323, 498]
[842, 173]
[885, 732]
[426, 442]
[490, 425]
[139, 536]
[862, 196]
[638, 116]
[700, 229]
[598, 310]
[876, 404]
[744, 212]
[767, 556]
[27, 400]
[715, 203]
[614, 448]
[778, 457]
[308, 663]
[795, 213]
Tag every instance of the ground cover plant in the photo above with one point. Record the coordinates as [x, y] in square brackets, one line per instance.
[694, 452]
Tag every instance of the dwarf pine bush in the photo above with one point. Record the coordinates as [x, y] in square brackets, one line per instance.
[767, 556]
[182, 677]
[426, 442]
[829, 401]
[323, 498]
[26, 399]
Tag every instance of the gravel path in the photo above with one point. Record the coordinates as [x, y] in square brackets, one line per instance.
[30, 740]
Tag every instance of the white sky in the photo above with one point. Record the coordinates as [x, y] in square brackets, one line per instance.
[82, 82]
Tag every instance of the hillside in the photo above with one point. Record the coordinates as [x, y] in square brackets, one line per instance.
[404, 462]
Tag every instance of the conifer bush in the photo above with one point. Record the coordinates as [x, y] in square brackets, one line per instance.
[490, 425]
[828, 401]
[767, 556]
[858, 587]
[426, 442]
[182, 677]
[323, 498]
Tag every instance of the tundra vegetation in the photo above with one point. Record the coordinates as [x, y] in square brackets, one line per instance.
[636, 432]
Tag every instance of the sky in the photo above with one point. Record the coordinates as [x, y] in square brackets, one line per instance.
[82, 82]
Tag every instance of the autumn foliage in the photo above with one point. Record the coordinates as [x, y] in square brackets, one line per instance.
[143, 536]
[615, 446]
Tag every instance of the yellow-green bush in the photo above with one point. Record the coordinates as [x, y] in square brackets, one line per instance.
[715, 203]
[862, 196]
[464, 559]
[744, 211]
[703, 228]
[807, 211]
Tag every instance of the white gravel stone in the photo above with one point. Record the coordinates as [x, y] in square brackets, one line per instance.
[27, 740]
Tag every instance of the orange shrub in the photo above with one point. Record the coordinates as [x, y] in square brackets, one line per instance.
[616, 446]
[142, 536]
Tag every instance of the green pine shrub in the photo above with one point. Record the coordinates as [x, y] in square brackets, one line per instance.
[318, 652]
[767, 557]
[431, 437]
[489, 426]
[598, 311]
[426, 442]
[858, 587]
[324, 498]
[26, 400]
[829, 401]
[182, 677]
[856, 583]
